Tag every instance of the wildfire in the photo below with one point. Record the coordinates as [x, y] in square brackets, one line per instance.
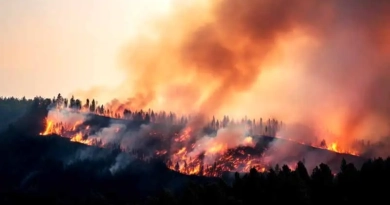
[227, 161]
[184, 154]
[69, 131]
[49, 127]
[79, 138]
[334, 147]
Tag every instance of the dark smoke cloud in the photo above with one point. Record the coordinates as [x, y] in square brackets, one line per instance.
[230, 56]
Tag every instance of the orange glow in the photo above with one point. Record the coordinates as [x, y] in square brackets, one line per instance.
[209, 156]
[259, 58]
[49, 127]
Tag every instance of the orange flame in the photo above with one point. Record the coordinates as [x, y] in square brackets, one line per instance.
[182, 158]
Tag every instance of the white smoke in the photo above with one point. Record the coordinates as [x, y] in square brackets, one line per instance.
[299, 133]
[67, 116]
[110, 135]
[121, 162]
[136, 139]
[226, 138]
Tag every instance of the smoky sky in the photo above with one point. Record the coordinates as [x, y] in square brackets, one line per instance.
[203, 57]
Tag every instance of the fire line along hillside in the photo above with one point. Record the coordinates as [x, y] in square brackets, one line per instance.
[220, 146]
[52, 153]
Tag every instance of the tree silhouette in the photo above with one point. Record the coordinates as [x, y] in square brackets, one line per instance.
[49, 170]
[92, 108]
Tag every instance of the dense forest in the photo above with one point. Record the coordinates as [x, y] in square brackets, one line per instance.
[53, 170]
[11, 109]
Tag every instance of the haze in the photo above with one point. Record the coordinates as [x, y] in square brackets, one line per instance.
[52, 46]
[324, 64]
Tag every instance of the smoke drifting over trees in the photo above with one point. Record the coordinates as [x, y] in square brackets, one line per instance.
[53, 168]
[323, 63]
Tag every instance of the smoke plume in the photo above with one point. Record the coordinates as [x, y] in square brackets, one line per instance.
[320, 63]
[67, 116]
[226, 138]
